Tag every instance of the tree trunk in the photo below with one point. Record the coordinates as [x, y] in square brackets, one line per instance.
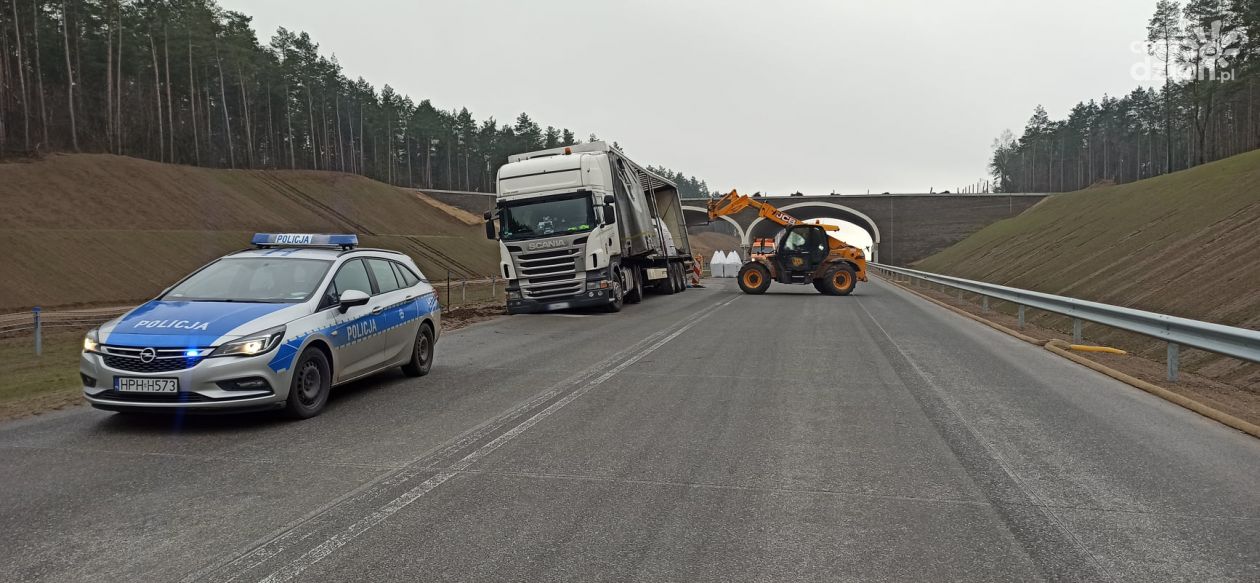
[227, 121]
[271, 132]
[26, 106]
[288, 114]
[341, 147]
[310, 118]
[192, 101]
[323, 128]
[170, 107]
[65, 41]
[36, 7]
[362, 144]
[118, 83]
[249, 134]
[109, 83]
[157, 97]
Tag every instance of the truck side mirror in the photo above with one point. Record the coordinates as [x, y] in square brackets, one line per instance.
[490, 232]
[610, 215]
[609, 200]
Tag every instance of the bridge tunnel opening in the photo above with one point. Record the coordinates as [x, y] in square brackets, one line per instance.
[856, 229]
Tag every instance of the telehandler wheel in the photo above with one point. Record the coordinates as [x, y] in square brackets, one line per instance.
[754, 278]
[839, 280]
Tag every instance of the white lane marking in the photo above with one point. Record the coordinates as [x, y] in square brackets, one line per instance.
[276, 543]
[293, 569]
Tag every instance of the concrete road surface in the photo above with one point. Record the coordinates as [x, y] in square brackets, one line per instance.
[709, 436]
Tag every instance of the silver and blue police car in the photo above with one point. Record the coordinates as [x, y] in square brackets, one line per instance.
[274, 327]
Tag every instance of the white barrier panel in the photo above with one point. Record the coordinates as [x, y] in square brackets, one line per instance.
[717, 264]
[732, 264]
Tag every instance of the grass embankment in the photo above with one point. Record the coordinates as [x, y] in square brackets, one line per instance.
[1186, 244]
[100, 229]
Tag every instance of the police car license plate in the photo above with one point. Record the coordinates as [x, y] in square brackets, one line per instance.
[145, 385]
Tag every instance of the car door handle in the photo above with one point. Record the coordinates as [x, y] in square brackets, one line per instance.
[377, 311]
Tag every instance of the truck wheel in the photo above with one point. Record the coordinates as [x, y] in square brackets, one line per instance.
[680, 275]
[619, 294]
[821, 286]
[634, 294]
[312, 380]
[421, 353]
[754, 278]
[839, 280]
[669, 286]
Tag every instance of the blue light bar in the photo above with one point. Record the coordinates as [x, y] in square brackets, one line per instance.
[305, 240]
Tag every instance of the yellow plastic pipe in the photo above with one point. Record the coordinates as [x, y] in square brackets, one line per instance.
[1087, 348]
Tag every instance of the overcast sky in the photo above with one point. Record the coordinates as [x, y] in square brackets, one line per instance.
[809, 95]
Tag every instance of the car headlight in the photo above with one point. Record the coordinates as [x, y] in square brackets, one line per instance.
[91, 341]
[254, 345]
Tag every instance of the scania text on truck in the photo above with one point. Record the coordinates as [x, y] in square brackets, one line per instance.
[584, 226]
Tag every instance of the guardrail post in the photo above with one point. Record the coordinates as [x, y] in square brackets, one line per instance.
[1174, 360]
[984, 303]
[448, 287]
[39, 329]
[1077, 336]
[960, 294]
[494, 279]
[463, 291]
[1021, 316]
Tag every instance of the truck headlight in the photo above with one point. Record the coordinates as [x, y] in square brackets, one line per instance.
[260, 343]
[91, 341]
[514, 295]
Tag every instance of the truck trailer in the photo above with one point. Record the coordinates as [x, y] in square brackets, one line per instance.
[585, 226]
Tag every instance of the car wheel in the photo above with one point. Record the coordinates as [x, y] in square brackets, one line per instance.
[421, 353]
[308, 391]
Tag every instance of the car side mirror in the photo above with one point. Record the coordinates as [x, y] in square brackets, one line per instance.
[351, 298]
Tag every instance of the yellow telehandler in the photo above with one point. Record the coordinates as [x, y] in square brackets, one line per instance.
[804, 253]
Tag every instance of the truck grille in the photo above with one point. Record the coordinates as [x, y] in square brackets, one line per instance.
[552, 273]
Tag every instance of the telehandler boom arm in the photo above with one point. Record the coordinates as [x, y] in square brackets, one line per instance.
[735, 202]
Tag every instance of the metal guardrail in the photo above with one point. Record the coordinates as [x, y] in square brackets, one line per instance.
[1240, 343]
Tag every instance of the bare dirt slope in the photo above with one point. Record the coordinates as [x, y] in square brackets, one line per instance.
[1186, 244]
[101, 229]
[704, 243]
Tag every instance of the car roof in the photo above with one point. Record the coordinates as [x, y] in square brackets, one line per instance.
[326, 253]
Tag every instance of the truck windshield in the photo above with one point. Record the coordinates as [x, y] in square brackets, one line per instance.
[252, 279]
[571, 213]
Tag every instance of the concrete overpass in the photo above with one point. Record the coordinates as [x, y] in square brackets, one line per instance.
[904, 227]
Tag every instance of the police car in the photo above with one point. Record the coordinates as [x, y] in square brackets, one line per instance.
[274, 327]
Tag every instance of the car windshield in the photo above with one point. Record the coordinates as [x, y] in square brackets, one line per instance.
[549, 216]
[252, 279]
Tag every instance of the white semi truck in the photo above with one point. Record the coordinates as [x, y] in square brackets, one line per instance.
[584, 226]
